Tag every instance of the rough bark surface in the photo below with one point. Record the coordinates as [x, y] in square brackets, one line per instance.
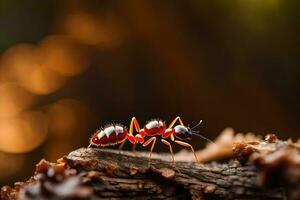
[270, 170]
[123, 175]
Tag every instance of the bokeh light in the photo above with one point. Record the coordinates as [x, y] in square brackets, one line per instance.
[23, 133]
[102, 31]
[67, 118]
[23, 64]
[14, 99]
[63, 55]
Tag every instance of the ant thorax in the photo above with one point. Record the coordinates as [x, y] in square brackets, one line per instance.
[154, 124]
[155, 127]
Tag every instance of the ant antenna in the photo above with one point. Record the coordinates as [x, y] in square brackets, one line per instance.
[205, 138]
[198, 134]
[197, 125]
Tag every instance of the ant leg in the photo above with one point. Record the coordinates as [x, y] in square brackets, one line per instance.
[134, 149]
[136, 125]
[187, 145]
[173, 123]
[172, 137]
[89, 145]
[153, 140]
[175, 120]
[171, 149]
[121, 145]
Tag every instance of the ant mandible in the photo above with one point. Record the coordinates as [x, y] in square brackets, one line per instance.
[117, 134]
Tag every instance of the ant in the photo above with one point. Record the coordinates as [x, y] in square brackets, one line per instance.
[117, 134]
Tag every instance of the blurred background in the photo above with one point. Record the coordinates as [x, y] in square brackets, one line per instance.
[68, 67]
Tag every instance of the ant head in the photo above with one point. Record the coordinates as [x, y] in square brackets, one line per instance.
[183, 132]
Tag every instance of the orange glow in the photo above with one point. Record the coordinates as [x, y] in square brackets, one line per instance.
[93, 30]
[68, 117]
[22, 63]
[63, 56]
[24, 133]
[14, 99]
[16, 60]
[82, 27]
[42, 81]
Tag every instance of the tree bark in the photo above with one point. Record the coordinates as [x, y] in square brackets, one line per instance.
[271, 170]
[120, 175]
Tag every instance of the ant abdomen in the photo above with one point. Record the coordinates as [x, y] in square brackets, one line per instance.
[110, 135]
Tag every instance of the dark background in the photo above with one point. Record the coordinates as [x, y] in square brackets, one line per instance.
[69, 67]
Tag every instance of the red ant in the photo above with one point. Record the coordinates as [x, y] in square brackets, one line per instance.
[117, 134]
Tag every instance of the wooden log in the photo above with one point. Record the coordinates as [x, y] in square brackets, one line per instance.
[270, 170]
[124, 175]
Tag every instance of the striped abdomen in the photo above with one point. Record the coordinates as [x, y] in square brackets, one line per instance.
[110, 135]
